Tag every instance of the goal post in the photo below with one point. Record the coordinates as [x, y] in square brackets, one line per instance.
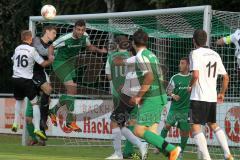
[170, 38]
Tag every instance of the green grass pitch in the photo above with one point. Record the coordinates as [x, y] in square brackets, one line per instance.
[11, 149]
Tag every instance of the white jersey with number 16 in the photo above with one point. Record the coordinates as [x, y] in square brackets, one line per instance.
[23, 61]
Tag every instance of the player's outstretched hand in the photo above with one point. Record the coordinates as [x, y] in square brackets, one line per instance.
[220, 42]
[103, 50]
[220, 98]
[135, 100]
[51, 58]
[176, 97]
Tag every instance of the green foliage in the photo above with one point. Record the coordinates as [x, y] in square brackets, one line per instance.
[15, 17]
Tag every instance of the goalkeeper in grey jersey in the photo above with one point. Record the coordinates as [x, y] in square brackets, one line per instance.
[41, 80]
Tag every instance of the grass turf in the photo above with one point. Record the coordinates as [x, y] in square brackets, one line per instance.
[11, 149]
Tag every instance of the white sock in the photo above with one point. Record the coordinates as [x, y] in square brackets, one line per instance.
[18, 106]
[36, 117]
[222, 141]
[201, 142]
[131, 137]
[116, 136]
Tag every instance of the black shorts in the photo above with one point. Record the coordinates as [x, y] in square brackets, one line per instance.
[202, 112]
[24, 88]
[39, 78]
[122, 113]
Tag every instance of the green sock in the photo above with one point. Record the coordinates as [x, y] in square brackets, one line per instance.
[68, 100]
[128, 149]
[54, 109]
[30, 129]
[157, 141]
[164, 133]
[183, 142]
[70, 117]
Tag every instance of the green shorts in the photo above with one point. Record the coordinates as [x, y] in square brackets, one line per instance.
[29, 110]
[178, 118]
[150, 111]
[64, 70]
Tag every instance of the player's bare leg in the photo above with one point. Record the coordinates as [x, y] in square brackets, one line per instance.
[222, 140]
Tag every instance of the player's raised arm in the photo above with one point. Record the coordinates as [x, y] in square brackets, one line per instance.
[108, 70]
[41, 61]
[93, 48]
[229, 39]
[119, 61]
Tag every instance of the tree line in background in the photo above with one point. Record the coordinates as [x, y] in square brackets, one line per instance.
[15, 17]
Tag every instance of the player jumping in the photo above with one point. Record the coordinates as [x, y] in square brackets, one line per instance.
[41, 80]
[24, 59]
[67, 48]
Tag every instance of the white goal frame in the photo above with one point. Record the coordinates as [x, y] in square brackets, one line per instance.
[206, 10]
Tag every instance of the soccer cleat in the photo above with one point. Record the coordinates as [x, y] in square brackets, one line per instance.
[14, 127]
[73, 125]
[32, 143]
[53, 118]
[42, 143]
[156, 151]
[134, 156]
[180, 157]
[127, 156]
[144, 150]
[230, 157]
[173, 155]
[115, 156]
[40, 134]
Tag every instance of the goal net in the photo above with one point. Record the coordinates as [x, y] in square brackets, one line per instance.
[170, 32]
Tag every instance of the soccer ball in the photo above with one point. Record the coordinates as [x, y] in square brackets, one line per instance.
[48, 11]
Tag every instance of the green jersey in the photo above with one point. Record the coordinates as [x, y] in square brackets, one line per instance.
[146, 61]
[68, 47]
[118, 73]
[178, 85]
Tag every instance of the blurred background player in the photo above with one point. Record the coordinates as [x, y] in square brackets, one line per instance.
[24, 59]
[120, 76]
[41, 80]
[206, 65]
[177, 89]
[151, 98]
[235, 39]
[67, 48]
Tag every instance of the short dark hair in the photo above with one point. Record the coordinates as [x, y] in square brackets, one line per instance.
[123, 42]
[140, 38]
[185, 59]
[49, 28]
[200, 37]
[80, 23]
[25, 35]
